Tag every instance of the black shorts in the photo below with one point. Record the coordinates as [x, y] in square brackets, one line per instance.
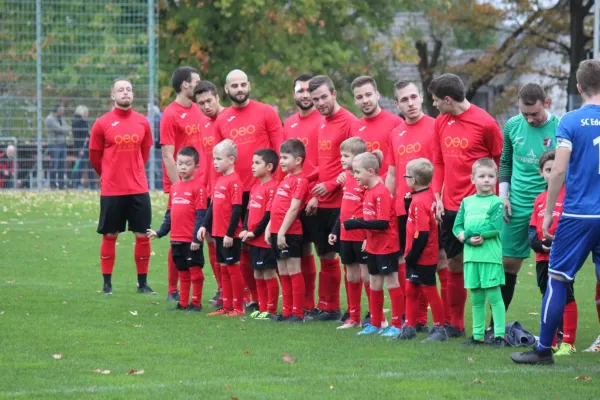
[309, 224]
[184, 257]
[448, 241]
[382, 264]
[325, 221]
[402, 220]
[262, 258]
[351, 252]
[541, 269]
[133, 210]
[294, 249]
[228, 255]
[421, 274]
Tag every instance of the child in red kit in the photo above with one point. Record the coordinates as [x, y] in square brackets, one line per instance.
[185, 214]
[224, 216]
[262, 258]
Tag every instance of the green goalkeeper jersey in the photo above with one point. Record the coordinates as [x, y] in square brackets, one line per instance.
[481, 216]
[523, 146]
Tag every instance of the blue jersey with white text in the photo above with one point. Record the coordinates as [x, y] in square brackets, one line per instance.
[580, 130]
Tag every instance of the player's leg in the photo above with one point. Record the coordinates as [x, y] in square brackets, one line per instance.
[443, 272]
[180, 253]
[256, 261]
[429, 290]
[388, 267]
[195, 262]
[294, 270]
[515, 249]
[110, 224]
[473, 283]
[351, 255]
[216, 300]
[457, 294]
[139, 217]
[225, 280]
[570, 317]
[376, 298]
[284, 278]
[232, 262]
[308, 265]
[366, 281]
[330, 275]
[250, 295]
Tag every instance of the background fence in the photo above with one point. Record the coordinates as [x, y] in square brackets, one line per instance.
[58, 58]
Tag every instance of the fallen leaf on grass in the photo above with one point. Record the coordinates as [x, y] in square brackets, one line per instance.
[530, 273]
[331, 387]
[102, 371]
[227, 386]
[1, 312]
[477, 380]
[582, 378]
[11, 282]
[288, 359]
[134, 372]
[202, 332]
[534, 313]
[155, 303]
[470, 359]
[57, 356]
[386, 310]
[92, 388]
[137, 326]
[235, 398]
[246, 352]
[65, 302]
[120, 343]
[134, 313]
[208, 347]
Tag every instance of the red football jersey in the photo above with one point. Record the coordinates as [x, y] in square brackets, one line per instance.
[376, 133]
[462, 140]
[185, 198]
[421, 218]
[379, 205]
[332, 132]
[208, 174]
[291, 187]
[307, 130]
[261, 196]
[537, 218]
[122, 136]
[180, 127]
[226, 193]
[409, 142]
[256, 126]
[352, 207]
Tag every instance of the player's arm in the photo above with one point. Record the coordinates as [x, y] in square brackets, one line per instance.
[458, 229]
[439, 170]
[274, 129]
[359, 223]
[262, 224]
[492, 228]
[236, 214]
[534, 241]
[336, 228]
[493, 140]
[419, 241]
[200, 213]
[506, 163]
[165, 227]
[390, 179]
[167, 142]
[147, 143]
[96, 147]
[557, 177]
[207, 223]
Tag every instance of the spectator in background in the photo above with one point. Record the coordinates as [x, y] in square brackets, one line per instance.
[57, 130]
[7, 168]
[81, 137]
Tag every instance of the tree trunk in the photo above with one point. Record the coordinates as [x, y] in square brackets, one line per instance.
[577, 11]
[426, 71]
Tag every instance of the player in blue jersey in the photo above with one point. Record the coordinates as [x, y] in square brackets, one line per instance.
[578, 232]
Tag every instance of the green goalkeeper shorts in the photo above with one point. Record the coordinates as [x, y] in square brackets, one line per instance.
[514, 236]
[479, 275]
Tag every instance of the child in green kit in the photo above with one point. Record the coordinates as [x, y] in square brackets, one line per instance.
[478, 225]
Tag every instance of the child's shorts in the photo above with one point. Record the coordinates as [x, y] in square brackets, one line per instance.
[184, 257]
[294, 249]
[262, 258]
[382, 264]
[479, 275]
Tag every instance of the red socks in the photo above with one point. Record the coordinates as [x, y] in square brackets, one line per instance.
[443, 275]
[412, 303]
[398, 307]
[422, 311]
[331, 290]
[298, 290]
[237, 286]
[346, 287]
[368, 291]
[272, 295]
[354, 294]
[431, 295]
[227, 294]
[107, 254]
[197, 277]
[309, 271]
[261, 291]
[402, 276]
[598, 300]
[376, 307]
[172, 273]
[185, 282]
[286, 291]
[457, 296]
[212, 258]
[248, 273]
[141, 254]
[570, 323]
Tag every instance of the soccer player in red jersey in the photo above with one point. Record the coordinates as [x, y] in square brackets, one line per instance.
[465, 133]
[379, 220]
[352, 243]
[120, 144]
[179, 127]
[224, 220]
[326, 194]
[284, 231]
[414, 139]
[252, 126]
[304, 125]
[422, 248]
[185, 213]
[264, 164]
[205, 95]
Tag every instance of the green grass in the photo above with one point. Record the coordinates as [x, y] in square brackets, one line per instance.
[50, 304]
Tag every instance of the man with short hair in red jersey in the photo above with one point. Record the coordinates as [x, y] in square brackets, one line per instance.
[120, 144]
[304, 125]
[205, 95]
[252, 126]
[375, 128]
[179, 127]
[409, 141]
[326, 194]
[464, 134]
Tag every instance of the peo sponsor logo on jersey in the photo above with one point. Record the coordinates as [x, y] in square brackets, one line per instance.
[590, 122]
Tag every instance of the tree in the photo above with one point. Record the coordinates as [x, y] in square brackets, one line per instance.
[274, 43]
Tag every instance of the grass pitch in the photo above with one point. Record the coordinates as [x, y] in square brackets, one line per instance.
[58, 334]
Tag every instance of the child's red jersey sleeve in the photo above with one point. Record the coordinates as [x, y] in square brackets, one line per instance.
[422, 216]
[301, 189]
[235, 192]
[383, 206]
[167, 130]
[201, 200]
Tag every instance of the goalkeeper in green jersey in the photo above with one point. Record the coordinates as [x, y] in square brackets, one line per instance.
[526, 137]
